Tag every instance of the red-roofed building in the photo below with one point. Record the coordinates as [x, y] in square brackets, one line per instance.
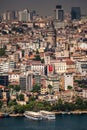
[70, 66]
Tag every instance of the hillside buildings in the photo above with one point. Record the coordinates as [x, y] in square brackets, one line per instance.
[48, 52]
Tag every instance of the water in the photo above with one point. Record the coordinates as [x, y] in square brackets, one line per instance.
[62, 122]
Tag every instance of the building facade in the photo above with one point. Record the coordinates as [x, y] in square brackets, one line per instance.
[59, 13]
[75, 13]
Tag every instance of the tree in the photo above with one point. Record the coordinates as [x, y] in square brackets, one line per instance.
[37, 57]
[83, 86]
[69, 87]
[36, 88]
[32, 98]
[39, 106]
[23, 53]
[69, 106]
[10, 86]
[59, 105]
[37, 52]
[19, 109]
[30, 105]
[2, 51]
[1, 103]
[21, 97]
[17, 88]
[12, 103]
[14, 87]
[42, 60]
[79, 103]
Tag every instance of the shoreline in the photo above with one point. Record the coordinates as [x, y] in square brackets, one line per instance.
[71, 112]
[6, 115]
[16, 115]
[57, 113]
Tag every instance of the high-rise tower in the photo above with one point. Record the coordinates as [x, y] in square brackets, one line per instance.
[75, 13]
[25, 15]
[26, 82]
[59, 13]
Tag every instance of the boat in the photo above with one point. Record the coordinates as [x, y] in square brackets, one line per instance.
[47, 115]
[33, 115]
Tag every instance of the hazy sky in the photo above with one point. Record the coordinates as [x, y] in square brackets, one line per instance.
[43, 7]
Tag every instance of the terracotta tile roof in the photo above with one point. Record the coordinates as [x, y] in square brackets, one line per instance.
[1, 86]
[69, 62]
[70, 70]
[36, 62]
[31, 57]
[43, 87]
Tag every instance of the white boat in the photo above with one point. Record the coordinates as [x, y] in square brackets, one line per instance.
[33, 115]
[47, 115]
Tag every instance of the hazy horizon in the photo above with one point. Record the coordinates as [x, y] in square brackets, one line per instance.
[42, 7]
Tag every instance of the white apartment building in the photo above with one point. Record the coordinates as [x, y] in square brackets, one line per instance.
[4, 67]
[68, 80]
[7, 66]
[60, 66]
[38, 67]
[24, 15]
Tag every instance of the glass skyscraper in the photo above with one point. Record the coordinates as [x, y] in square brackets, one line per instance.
[75, 13]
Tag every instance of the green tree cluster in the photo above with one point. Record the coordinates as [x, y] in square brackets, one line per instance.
[2, 51]
[1, 103]
[12, 103]
[34, 105]
[79, 104]
[20, 97]
[37, 57]
[14, 87]
[36, 88]
[19, 109]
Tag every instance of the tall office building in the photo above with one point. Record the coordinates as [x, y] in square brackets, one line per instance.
[59, 13]
[14, 15]
[26, 82]
[6, 16]
[75, 13]
[25, 15]
[10, 15]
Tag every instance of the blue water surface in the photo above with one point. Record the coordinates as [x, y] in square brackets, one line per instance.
[62, 122]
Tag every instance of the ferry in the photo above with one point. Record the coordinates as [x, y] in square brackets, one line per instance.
[47, 115]
[33, 115]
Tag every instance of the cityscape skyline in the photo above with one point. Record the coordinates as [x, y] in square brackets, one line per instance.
[43, 60]
[42, 6]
